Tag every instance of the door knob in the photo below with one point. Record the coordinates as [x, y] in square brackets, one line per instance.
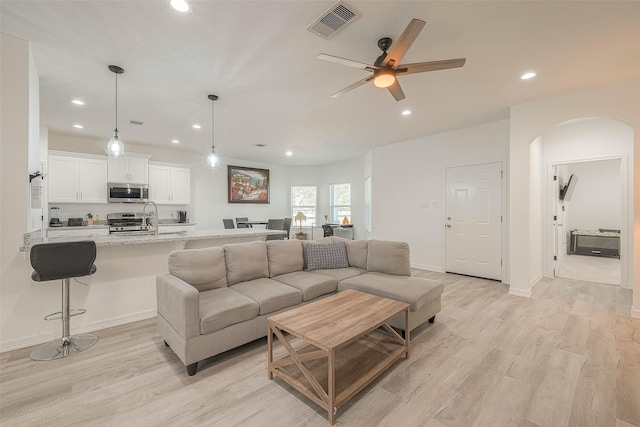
[448, 225]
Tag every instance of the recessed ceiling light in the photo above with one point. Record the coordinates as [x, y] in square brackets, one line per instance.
[78, 126]
[77, 102]
[197, 126]
[181, 6]
[289, 153]
[406, 112]
[527, 76]
[175, 141]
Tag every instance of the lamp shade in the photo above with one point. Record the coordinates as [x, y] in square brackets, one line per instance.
[300, 217]
[212, 159]
[383, 78]
[115, 147]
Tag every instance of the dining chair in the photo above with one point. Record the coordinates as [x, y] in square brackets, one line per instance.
[287, 227]
[228, 223]
[275, 224]
[239, 220]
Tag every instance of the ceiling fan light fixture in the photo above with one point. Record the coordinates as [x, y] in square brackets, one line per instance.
[384, 79]
[182, 6]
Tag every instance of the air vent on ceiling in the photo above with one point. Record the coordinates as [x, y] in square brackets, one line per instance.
[136, 122]
[333, 20]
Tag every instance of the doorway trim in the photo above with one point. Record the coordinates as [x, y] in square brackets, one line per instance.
[504, 231]
[625, 227]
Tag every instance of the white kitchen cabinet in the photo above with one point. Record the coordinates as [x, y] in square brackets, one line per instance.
[166, 229]
[77, 179]
[78, 232]
[170, 185]
[129, 169]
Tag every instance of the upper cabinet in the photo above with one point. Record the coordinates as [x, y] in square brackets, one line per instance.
[77, 178]
[169, 184]
[132, 169]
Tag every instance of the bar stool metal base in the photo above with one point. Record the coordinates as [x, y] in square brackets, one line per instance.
[61, 348]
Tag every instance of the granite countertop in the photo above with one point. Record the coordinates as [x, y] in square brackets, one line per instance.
[182, 236]
[103, 225]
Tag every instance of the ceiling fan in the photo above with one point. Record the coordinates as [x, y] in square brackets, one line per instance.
[387, 67]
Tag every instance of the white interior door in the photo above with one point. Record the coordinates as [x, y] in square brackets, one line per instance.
[474, 220]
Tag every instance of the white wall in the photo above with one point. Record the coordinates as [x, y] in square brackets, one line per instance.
[19, 296]
[535, 188]
[595, 202]
[408, 181]
[211, 192]
[619, 101]
[579, 142]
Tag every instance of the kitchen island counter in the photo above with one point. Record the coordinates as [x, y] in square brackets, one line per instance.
[122, 290]
[197, 237]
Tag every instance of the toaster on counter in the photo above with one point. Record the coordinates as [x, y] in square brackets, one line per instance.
[74, 222]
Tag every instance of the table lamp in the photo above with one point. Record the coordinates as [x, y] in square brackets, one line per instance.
[300, 217]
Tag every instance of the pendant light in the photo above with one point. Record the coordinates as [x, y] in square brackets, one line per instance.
[213, 160]
[115, 147]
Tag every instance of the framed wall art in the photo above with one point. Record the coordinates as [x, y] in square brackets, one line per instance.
[248, 185]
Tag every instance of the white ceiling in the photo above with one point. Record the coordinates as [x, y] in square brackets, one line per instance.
[260, 59]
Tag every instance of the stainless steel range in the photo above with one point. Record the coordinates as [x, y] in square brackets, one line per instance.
[128, 224]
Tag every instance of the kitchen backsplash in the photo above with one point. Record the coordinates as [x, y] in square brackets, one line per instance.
[75, 210]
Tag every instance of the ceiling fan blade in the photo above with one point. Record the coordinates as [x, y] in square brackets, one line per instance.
[421, 67]
[402, 45]
[346, 62]
[353, 86]
[396, 91]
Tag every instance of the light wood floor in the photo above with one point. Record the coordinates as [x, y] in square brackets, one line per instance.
[590, 269]
[568, 356]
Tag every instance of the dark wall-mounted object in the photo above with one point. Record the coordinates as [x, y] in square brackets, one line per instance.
[567, 190]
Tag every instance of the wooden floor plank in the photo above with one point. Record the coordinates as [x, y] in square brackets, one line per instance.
[567, 356]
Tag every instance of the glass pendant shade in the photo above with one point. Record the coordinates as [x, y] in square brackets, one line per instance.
[115, 147]
[213, 160]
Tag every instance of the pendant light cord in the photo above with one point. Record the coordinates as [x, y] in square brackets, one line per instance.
[213, 127]
[116, 130]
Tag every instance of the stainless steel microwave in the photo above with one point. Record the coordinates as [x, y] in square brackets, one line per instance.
[128, 193]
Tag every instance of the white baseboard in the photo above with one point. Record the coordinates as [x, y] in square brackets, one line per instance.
[428, 268]
[635, 313]
[535, 281]
[520, 292]
[90, 327]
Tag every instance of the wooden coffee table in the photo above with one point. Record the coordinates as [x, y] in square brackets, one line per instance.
[344, 350]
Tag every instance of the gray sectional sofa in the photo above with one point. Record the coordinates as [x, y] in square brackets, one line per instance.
[218, 298]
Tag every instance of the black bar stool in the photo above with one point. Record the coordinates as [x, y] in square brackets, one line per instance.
[52, 261]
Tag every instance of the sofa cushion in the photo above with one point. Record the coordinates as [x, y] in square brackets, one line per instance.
[246, 261]
[220, 308]
[357, 251]
[340, 273]
[203, 269]
[284, 256]
[312, 285]
[270, 295]
[331, 255]
[415, 291]
[389, 257]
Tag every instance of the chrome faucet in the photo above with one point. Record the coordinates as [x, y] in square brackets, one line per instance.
[155, 217]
